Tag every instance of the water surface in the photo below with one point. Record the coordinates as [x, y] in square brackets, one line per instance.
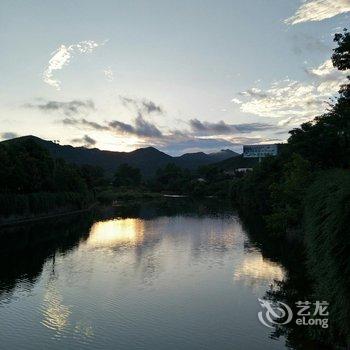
[145, 279]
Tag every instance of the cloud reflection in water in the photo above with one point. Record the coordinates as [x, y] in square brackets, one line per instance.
[117, 232]
[255, 271]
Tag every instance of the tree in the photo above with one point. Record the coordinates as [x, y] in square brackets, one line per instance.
[28, 168]
[127, 175]
[325, 141]
[287, 195]
[67, 178]
[93, 175]
[341, 55]
[172, 178]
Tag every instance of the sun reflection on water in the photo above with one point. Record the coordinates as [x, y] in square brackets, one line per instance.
[55, 313]
[117, 232]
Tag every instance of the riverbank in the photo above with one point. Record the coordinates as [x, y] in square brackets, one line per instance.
[312, 208]
[111, 194]
[36, 218]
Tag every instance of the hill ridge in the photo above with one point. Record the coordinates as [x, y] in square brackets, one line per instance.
[147, 159]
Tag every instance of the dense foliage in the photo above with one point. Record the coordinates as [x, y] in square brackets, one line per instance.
[127, 175]
[305, 193]
[327, 218]
[207, 180]
[32, 182]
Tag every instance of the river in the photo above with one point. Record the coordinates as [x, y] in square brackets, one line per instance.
[171, 276]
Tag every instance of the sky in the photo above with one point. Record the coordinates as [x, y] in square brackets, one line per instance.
[182, 76]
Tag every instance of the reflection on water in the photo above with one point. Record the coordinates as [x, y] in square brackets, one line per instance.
[55, 314]
[116, 232]
[157, 278]
[255, 270]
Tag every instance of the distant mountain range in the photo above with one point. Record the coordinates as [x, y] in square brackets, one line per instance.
[148, 159]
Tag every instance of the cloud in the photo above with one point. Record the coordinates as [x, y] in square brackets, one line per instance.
[173, 145]
[295, 101]
[86, 140]
[83, 122]
[69, 108]
[206, 127]
[254, 92]
[141, 127]
[245, 140]
[109, 74]
[123, 127]
[251, 127]
[141, 105]
[222, 128]
[237, 101]
[328, 77]
[195, 145]
[318, 10]
[62, 56]
[8, 135]
[202, 135]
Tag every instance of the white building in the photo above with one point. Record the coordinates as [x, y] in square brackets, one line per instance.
[260, 151]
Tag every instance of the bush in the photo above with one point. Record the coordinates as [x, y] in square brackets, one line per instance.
[327, 239]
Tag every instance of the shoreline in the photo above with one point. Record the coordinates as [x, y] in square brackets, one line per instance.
[44, 217]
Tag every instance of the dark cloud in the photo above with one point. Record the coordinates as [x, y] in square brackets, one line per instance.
[84, 122]
[251, 127]
[141, 127]
[86, 140]
[254, 93]
[182, 144]
[220, 128]
[207, 127]
[174, 141]
[69, 108]
[122, 127]
[146, 128]
[142, 105]
[151, 107]
[193, 144]
[8, 135]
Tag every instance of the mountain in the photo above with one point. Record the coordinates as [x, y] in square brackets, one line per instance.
[148, 159]
[223, 154]
[194, 160]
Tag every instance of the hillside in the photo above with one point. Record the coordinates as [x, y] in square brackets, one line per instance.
[193, 160]
[148, 159]
[237, 162]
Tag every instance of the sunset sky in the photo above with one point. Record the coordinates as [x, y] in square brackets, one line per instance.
[179, 75]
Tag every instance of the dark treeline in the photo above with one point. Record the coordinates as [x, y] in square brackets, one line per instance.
[32, 182]
[207, 180]
[304, 193]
